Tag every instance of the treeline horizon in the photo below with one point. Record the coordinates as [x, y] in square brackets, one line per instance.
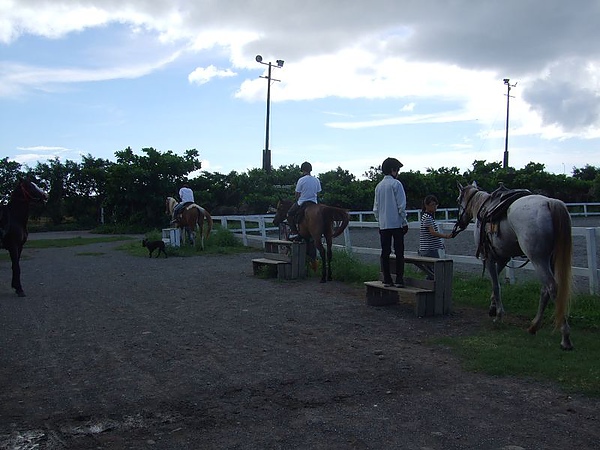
[131, 191]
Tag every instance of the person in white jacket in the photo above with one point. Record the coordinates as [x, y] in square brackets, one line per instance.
[389, 208]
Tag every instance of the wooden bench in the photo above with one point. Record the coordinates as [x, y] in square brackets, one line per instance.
[286, 257]
[431, 297]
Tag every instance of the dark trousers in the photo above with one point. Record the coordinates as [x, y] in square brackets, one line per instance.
[291, 217]
[386, 237]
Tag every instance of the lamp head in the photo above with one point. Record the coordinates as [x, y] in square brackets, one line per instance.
[280, 62]
[258, 58]
[506, 80]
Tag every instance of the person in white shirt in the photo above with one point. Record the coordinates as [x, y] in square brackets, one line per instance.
[307, 188]
[187, 197]
[389, 208]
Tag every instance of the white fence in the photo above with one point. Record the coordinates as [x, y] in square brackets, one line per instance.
[255, 227]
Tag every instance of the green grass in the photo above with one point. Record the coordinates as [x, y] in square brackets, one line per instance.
[220, 242]
[72, 242]
[507, 349]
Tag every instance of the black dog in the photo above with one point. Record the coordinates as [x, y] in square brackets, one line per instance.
[153, 245]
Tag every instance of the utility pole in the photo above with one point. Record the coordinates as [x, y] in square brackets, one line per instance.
[266, 165]
[508, 87]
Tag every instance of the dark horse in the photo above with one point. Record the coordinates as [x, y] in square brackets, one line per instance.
[317, 220]
[13, 225]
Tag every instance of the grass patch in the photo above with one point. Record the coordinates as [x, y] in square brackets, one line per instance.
[507, 349]
[220, 242]
[73, 242]
[348, 268]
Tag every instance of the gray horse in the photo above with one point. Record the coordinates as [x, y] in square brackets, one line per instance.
[533, 226]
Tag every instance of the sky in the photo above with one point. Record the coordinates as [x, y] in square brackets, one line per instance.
[418, 80]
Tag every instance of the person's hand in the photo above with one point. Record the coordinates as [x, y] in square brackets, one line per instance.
[405, 229]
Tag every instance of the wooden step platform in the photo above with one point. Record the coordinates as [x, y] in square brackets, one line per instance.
[285, 260]
[271, 268]
[380, 295]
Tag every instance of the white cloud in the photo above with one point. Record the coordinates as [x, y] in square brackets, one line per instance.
[202, 75]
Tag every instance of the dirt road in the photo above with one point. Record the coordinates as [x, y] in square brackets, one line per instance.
[112, 351]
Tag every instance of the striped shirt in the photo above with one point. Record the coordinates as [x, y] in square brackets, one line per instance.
[428, 242]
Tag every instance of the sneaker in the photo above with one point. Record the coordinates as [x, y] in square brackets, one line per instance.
[400, 283]
[388, 283]
[294, 237]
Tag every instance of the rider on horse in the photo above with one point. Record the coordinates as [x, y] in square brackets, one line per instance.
[307, 188]
[187, 198]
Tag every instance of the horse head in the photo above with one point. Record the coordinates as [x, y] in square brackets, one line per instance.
[169, 204]
[29, 191]
[464, 200]
[283, 207]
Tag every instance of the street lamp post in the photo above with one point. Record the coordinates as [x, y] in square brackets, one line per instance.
[508, 87]
[266, 152]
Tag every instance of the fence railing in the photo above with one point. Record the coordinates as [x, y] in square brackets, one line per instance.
[255, 228]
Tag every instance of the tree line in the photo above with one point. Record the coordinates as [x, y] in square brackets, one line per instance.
[131, 190]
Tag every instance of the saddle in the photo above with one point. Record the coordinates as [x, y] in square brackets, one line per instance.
[299, 216]
[492, 211]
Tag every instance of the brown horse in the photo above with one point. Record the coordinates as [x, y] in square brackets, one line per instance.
[317, 220]
[13, 225]
[192, 218]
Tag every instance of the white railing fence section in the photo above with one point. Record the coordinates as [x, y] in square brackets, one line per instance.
[255, 227]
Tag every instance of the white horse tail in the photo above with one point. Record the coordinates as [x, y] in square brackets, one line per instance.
[209, 222]
[208, 218]
[562, 259]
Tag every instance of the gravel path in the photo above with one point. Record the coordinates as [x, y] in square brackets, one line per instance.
[112, 351]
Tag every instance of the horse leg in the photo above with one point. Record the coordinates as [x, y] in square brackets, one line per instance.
[565, 331]
[15, 256]
[496, 308]
[329, 257]
[321, 249]
[547, 293]
[201, 231]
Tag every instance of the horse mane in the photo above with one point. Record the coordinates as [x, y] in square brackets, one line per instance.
[478, 199]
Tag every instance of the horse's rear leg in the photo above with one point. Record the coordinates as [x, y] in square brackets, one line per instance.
[565, 331]
[329, 258]
[319, 246]
[546, 293]
[496, 307]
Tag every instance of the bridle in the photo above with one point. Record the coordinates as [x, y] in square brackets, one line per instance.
[461, 222]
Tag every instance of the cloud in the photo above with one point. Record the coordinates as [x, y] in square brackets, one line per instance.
[203, 75]
[452, 53]
[447, 117]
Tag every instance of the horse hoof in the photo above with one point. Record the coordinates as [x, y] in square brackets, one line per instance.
[323, 280]
[566, 345]
[21, 294]
[492, 311]
[531, 330]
